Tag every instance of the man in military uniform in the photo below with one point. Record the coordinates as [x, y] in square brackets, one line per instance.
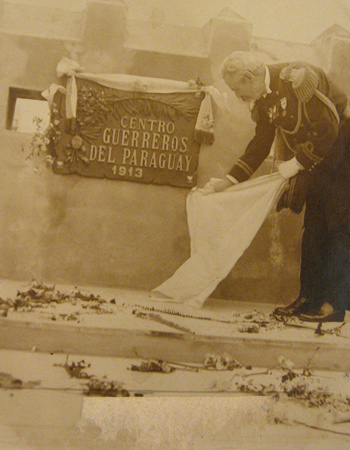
[300, 103]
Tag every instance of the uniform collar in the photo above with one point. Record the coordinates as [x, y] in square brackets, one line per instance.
[275, 70]
[267, 86]
[267, 81]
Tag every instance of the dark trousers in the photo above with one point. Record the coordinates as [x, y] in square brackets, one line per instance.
[325, 260]
[325, 264]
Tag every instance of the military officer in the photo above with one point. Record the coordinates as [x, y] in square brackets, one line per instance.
[300, 103]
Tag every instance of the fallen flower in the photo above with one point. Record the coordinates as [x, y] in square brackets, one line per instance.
[7, 381]
[153, 366]
[105, 388]
[251, 328]
[221, 362]
[76, 370]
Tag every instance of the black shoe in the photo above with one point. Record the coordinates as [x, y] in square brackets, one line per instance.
[300, 305]
[325, 313]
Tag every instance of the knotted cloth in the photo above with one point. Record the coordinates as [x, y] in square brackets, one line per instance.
[221, 227]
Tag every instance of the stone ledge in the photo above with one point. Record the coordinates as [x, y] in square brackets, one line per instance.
[331, 354]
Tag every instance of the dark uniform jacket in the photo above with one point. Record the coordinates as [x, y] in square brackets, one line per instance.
[328, 190]
[305, 108]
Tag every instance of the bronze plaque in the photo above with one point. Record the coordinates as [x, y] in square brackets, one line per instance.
[130, 136]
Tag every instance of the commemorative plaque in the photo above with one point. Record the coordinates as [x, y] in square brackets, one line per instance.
[129, 135]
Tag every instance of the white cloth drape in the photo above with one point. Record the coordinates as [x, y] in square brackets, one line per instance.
[73, 70]
[221, 227]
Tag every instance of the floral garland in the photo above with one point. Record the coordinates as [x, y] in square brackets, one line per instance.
[44, 140]
[98, 105]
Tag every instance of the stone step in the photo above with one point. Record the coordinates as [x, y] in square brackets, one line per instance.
[304, 349]
[133, 324]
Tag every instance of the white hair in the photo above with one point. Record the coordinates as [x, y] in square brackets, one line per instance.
[239, 62]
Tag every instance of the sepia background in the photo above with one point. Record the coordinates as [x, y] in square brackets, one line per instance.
[121, 239]
[96, 232]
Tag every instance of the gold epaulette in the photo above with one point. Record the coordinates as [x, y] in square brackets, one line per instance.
[304, 81]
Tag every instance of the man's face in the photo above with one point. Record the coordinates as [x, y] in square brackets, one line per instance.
[246, 86]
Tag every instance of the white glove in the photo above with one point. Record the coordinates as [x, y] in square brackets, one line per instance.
[215, 185]
[289, 168]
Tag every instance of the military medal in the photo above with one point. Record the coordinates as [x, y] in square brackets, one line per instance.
[275, 112]
[284, 106]
[272, 112]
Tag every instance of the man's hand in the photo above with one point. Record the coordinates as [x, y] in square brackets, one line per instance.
[215, 185]
[289, 168]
